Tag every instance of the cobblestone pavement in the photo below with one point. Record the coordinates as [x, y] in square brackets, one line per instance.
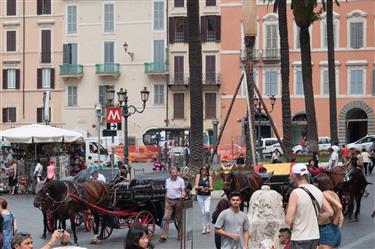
[359, 235]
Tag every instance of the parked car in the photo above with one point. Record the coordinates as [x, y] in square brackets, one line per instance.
[364, 142]
[269, 145]
[324, 144]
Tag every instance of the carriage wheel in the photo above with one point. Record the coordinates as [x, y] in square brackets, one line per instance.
[146, 219]
[107, 231]
[50, 221]
[88, 220]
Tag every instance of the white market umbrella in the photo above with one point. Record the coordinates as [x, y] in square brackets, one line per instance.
[37, 133]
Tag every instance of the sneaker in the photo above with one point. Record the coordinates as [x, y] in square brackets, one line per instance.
[208, 229]
[204, 231]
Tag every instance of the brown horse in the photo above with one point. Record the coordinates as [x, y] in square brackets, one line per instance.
[60, 198]
[337, 174]
[246, 184]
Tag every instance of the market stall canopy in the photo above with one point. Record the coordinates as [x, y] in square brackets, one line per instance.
[37, 133]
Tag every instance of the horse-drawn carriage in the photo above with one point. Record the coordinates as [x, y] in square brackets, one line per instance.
[140, 200]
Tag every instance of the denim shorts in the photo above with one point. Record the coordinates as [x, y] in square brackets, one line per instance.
[330, 235]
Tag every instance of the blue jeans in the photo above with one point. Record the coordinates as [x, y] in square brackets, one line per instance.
[330, 235]
[304, 244]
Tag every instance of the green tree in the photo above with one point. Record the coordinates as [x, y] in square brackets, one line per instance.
[196, 99]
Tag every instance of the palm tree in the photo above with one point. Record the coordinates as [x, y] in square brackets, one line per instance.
[281, 8]
[304, 16]
[331, 70]
[196, 100]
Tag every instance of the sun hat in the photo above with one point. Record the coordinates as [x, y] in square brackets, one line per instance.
[300, 169]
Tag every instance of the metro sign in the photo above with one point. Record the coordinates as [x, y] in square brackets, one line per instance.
[113, 115]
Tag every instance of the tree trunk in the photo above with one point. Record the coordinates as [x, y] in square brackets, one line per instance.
[196, 99]
[312, 131]
[285, 93]
[331, 74]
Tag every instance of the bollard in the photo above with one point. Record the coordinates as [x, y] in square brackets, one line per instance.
[187, 225]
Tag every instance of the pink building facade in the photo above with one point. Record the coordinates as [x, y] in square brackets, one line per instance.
[30, 51]
[354, 32]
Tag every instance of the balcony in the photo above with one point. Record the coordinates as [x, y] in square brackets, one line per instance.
[108, 69]
[155, 68]
[71, 70]
[211, 36]
[211, 79]
[179, 79]
[271, 54]
[179, 36]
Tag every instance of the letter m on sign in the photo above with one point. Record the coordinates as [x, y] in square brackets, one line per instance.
[113, 115]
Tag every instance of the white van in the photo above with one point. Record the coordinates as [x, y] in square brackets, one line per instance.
[92, 148]
[269, 145]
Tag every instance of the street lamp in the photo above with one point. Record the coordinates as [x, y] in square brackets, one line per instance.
[126, 46]
[99, 112]
[258, 109]
[127, 111]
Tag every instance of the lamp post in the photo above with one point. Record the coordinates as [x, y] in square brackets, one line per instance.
[99, 111]
[127, 111]
[110, 96]
[258, 109]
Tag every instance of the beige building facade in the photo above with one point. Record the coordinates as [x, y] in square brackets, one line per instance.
[94, 60]
[30, 54]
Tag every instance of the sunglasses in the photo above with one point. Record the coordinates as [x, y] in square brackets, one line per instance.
[23, 234]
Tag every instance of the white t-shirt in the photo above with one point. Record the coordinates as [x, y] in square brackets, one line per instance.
[365, 157]
[174, 188]
[305, 223]
[39, 169]
[334, 157]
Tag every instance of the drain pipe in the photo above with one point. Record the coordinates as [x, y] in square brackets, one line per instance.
[23, 58]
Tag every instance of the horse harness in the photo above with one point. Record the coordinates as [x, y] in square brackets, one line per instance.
[246, 181]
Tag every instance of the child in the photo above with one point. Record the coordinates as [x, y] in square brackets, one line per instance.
[284, 237]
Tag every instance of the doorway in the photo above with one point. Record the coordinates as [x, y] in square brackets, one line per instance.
[262, 126]
[356, 125]
[299, 127]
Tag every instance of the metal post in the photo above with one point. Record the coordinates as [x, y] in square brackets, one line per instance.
[113, 154]
[99, 117]
[214, 130]
[126, 148]
[259, 135]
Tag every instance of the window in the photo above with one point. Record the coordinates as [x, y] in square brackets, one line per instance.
[9, 115]
[159, 94]
[179, 69]
[210, 69]
[270, 83]
[72, 96]
[210, 2]
[43, 7]
[46, 46]
[178, 31]
[210, 105]
[271, 42]
[158, 15]
[335, 33]
[70, 53]
[11, 40]
[373, 82]
[11, 79]
[159, 59]
[356, 81]
[72, 19]
[46, 78]
[178, 106]
[356, 34]
[298, 86]
[102, 94]
[109, 10]
[40, 115]
[11, 7]
[210, 28]
[179, 3]
[325, 83]
[109, 52]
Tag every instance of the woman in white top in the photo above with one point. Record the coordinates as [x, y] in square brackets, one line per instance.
[204, 186]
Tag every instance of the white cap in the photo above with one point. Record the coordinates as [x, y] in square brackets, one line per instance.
[300, 169]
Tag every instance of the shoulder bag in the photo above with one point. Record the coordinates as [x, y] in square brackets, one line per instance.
[314, 201]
